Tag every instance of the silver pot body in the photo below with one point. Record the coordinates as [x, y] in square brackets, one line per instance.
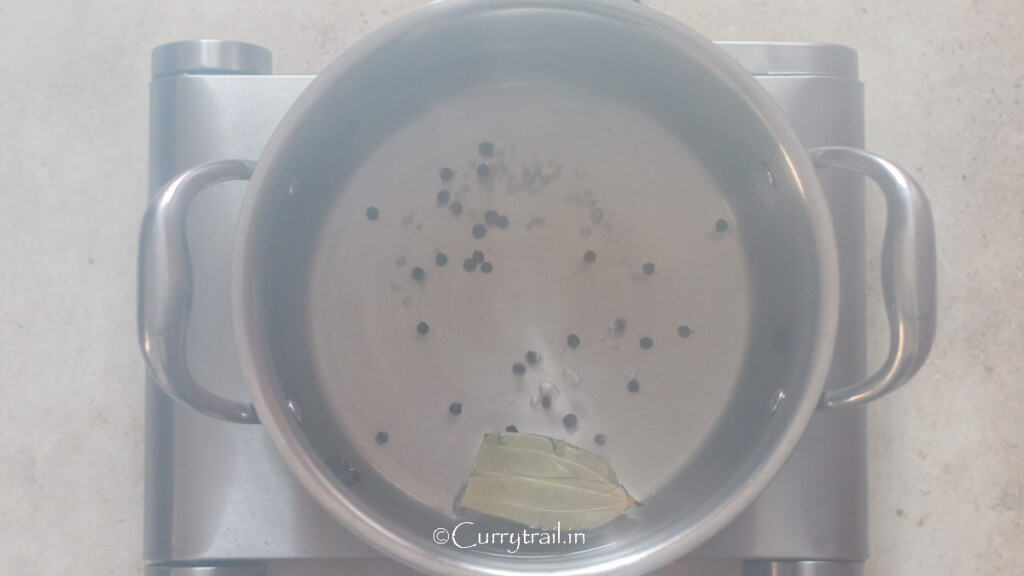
[612, 130]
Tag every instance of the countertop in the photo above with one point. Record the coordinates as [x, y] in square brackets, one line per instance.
[943, 98]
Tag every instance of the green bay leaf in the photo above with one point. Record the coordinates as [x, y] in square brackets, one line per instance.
[543, 482]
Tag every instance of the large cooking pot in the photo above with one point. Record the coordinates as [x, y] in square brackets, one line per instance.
[647, 223]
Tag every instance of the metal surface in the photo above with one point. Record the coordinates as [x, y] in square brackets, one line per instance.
[795, 59]
[311, 332]
[908, 274]
[816, 507]
[228, 569]
[811, 568]
[165, 289]
[214, 490]
[210, 57]
[205, 510]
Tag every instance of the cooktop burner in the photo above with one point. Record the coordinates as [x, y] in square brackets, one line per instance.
[219, 500]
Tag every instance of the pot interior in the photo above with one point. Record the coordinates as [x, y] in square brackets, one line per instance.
[636, 219]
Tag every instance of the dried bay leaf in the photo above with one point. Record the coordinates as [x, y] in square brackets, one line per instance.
[541, 482]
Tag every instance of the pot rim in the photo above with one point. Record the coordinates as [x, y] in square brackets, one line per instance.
[271, 405]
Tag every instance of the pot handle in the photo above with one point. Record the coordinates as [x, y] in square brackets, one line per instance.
[165, 289]
[908, 274]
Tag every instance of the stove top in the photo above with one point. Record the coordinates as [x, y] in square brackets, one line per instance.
[221, 502]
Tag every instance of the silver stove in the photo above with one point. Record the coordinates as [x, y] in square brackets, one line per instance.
[221, 502]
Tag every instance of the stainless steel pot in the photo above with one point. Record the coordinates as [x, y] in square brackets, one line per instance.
[592, 127]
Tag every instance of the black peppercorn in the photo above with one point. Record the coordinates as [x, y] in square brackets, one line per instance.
[619, 326]
[573, 341]
[569, 421]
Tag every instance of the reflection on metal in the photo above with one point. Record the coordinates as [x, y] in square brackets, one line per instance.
[801, 568]
[228, 569]
[908, 273]
[210, 57]
[165, 289]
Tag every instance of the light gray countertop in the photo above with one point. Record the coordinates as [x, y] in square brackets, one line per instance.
[944, 93]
